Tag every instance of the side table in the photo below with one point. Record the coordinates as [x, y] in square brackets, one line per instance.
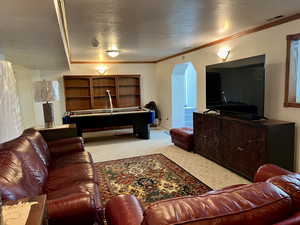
[38, 212]
[58, 132]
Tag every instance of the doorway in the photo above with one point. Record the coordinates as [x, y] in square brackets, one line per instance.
[184, 95]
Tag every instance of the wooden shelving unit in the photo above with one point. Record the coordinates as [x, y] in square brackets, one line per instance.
[89, 92]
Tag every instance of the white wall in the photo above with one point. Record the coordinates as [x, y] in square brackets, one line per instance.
[271, 42]
[31, 112]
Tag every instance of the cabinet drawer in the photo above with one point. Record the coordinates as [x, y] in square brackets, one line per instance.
[206, 137]
[244, 147]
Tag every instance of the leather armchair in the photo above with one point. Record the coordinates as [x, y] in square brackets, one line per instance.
[275, 200]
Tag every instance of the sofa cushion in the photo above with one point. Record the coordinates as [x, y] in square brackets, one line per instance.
[80, 187]
[66, 160]
[70, 175]
[15, 181]
[39, 144]
[290, 184]
[31, 162]
[247, 204]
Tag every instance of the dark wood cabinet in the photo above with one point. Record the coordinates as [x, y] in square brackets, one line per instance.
[242, 145]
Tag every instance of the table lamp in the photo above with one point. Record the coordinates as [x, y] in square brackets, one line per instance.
[47, 91]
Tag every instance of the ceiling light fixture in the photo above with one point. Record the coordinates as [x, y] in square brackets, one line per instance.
[223, 53]
[113, 53]
[102, 69]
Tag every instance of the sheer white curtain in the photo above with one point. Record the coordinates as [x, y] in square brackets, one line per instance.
[10, 116]
[295, 68]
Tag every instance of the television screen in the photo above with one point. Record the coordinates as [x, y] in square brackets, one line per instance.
[237, 86]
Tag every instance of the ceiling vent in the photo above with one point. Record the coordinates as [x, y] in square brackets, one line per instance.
[275, 18]
[95, 43]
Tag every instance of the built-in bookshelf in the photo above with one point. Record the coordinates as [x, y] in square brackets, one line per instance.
[90, 92]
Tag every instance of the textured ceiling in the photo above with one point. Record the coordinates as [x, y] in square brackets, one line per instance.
[146, 30]
[29, 34]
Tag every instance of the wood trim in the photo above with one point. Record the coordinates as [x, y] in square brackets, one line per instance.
[292, 104]
[79, 76]
[293, 37]
[117, 90]
[287, 73]
[112, 62]
[237, 35]
[92, 93]
[286, 103]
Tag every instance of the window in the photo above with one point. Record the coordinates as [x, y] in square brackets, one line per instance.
[292, 83]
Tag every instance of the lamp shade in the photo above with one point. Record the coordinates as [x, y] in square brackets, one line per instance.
[46, 91]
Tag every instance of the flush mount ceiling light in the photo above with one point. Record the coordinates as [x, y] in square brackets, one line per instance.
[223, 53]
[113, 53]
[102, 69]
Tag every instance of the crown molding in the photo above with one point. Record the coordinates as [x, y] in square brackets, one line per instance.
[237, 35]
[112, 62]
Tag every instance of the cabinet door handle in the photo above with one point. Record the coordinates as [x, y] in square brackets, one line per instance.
[240, 149]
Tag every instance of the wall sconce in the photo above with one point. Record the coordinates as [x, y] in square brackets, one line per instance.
[102, 69]
[223, 53]
[113, 53]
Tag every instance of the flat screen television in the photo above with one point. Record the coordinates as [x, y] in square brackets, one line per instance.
[237, 87]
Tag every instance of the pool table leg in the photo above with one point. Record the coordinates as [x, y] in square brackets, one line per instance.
[142, 131]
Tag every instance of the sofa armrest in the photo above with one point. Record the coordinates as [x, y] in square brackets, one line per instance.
[269, 170]
[124, 210]
[293, 220]
[66, 146]
[73, 207]
[247, 204]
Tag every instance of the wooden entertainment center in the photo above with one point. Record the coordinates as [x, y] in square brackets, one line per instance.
[241, 145]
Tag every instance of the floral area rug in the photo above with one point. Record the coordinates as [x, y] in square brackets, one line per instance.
[150, 178]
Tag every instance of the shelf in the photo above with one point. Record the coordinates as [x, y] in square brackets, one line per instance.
[130, 85]
[103, 96]
[78, 96]
[103, 86]
[129, 95]
[77, 87]
[85, 92]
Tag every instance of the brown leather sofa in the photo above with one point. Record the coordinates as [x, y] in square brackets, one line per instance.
[273, 198]
[61, 169]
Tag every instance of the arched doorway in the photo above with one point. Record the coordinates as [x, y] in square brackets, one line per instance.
[184, 95]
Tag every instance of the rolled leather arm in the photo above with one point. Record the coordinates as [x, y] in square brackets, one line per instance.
[66, 146]
[72, 207]
[269, 170]
[124, 210]
[293, 220]
[247, 204]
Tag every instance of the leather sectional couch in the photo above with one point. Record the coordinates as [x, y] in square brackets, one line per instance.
[273, 198]
[61, 169]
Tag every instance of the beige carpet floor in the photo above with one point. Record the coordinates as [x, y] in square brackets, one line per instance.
[120, 144]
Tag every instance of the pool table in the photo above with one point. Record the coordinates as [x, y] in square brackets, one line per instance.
[139, 118]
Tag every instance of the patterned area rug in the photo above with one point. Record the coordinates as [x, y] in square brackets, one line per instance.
[150, 178]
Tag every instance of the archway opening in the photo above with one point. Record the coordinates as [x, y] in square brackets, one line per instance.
[184, 95]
